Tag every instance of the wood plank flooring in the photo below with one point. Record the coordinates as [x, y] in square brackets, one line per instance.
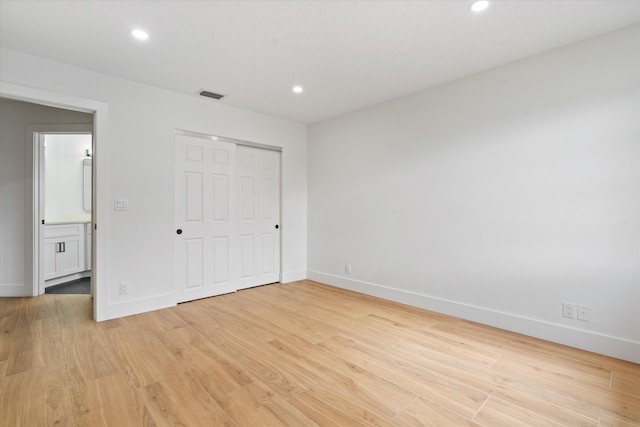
[297, 354]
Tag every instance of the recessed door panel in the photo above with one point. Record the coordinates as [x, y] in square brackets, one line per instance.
[194, 254]
[268, 257]
[247, 258]
[194, 196]
[221, 157]
[268, 198]
[193, 153]
[220, 260]
[247, 197]
[220, 198]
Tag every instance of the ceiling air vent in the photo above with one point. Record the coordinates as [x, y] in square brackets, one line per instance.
[208, 94]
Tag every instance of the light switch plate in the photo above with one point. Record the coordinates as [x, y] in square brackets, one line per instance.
[120, 205]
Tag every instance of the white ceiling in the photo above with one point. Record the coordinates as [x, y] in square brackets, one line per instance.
[346, 54]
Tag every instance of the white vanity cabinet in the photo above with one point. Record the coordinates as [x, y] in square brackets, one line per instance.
[64, 247]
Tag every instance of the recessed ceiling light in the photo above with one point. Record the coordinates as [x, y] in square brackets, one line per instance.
[479, 6]
[139, 34]
[298, 89]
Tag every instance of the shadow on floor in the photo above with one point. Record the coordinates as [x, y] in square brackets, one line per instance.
[81, 286]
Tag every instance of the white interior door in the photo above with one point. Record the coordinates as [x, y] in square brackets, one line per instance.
[259, 216]
[205, 215]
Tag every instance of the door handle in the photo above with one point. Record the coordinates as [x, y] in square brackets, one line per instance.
[277, 226]
[64, 247]
[179, 231]
[58, 247]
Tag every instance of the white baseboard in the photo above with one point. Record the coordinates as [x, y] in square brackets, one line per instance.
[142, 305]
[293, 276]
[137, 306]
[598, 343]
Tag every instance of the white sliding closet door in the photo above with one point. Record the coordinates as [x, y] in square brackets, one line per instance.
[259, 216]
[206, 234]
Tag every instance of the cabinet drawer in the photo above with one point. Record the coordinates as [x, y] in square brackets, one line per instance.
[63, 230]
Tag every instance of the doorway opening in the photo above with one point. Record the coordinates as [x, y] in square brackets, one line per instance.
[25, 263]
[63, 212]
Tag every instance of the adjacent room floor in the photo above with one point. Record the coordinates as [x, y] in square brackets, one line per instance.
[80, 286]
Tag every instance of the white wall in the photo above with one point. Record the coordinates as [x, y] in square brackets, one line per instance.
[64, 177]
[495, 197]
[141, 123]
[15, 179]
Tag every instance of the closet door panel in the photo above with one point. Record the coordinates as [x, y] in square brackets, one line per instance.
[205, 224]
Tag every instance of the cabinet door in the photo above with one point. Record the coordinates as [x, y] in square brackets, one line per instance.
[71, 260]
[87, 249]
[50, 247]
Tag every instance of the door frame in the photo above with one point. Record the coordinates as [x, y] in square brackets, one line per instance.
[35, 136]
[100, 205]
[240, 142]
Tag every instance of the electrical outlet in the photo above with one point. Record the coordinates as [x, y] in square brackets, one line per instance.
[583, 313]
[347, 268]
[569, 310]
[124, 288]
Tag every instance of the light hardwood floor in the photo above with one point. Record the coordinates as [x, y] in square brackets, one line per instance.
[296, 354]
